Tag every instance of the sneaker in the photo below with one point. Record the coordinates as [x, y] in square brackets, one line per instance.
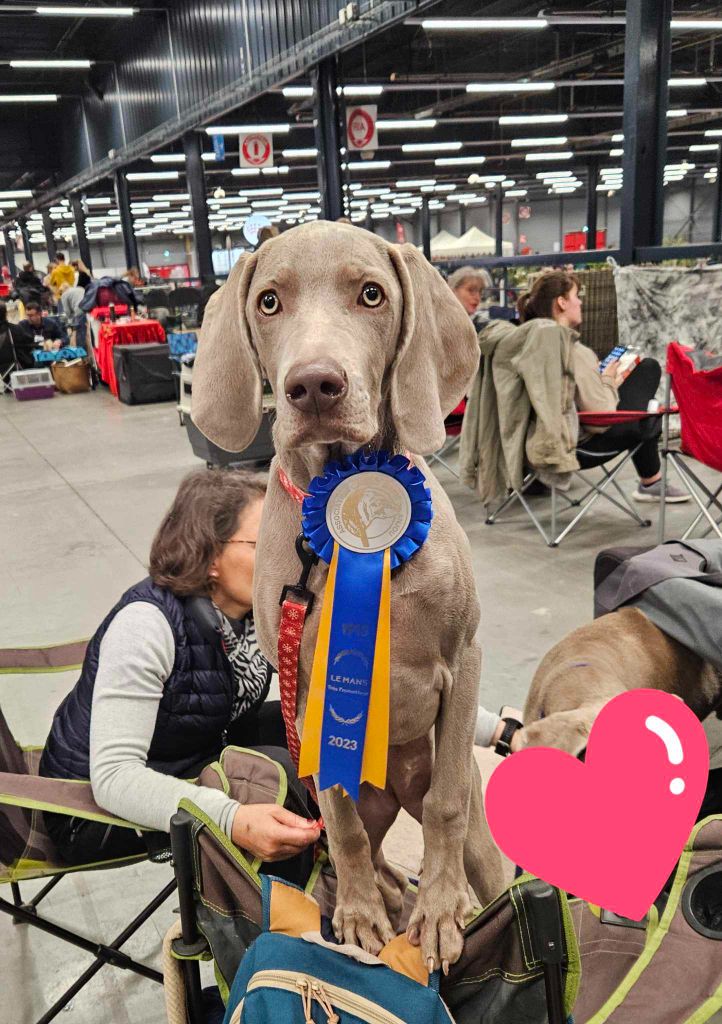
[653, 492]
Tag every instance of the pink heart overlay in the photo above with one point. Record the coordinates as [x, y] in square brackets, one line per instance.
[611, 829]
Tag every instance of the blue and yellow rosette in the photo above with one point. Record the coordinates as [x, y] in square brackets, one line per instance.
[364, 517]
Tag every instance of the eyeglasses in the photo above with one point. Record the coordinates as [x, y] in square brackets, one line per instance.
[251, 542]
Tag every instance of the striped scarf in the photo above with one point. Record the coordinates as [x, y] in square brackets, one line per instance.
[248, 666]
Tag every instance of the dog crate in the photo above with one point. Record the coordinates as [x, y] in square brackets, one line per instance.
[30, 384]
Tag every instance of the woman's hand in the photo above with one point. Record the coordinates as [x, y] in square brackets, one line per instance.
[271, 832]
[613, 373]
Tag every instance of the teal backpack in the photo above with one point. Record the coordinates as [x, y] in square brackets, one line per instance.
[300, 978]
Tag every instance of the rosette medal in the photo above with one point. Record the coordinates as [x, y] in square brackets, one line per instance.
[364, 516]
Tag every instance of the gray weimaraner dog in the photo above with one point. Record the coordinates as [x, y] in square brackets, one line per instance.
[364, 344]
[617, 652]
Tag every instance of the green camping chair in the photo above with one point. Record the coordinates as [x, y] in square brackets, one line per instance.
[26, 850]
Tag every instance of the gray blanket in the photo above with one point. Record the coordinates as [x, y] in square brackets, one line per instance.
[678, 586]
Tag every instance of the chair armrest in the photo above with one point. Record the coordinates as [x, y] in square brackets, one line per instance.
[53, 658]
[73, 797]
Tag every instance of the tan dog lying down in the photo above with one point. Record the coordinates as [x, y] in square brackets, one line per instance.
[617, 652]
[364, 344]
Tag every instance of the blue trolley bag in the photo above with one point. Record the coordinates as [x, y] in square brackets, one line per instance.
[292, 974]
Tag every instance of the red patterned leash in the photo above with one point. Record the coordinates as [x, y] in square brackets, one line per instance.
[296, 603]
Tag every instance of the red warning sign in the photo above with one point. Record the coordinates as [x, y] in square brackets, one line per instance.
[256, 150]
[361, 128]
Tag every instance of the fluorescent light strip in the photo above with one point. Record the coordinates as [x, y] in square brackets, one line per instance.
[616, 152]
[549, 156]
[17, 193]
[713, 133]
[544, 175]
[516, 192]
[168, 158]
[50, 63]
[457, 161]
[425, 147]
[709, 147]
[153, 176]
[248, 129]
[676, 113]
[291, 154]
[415, 182]
[514, 87]
[88, 12]
[360, 90]
[674, 82]
[534, 119]
[367, 165]
[396, 123]
[177, 197]
[297, 91]
[91, 201]
[695, 24]
[549, 140]
[30, 97]
[482, 24]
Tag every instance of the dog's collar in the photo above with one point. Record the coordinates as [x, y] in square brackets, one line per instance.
[290, 488]
[296, 493]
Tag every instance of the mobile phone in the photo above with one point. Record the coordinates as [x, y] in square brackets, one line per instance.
[616, 353]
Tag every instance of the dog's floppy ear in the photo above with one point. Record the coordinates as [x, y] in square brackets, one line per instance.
[227, 383]
[437, 356]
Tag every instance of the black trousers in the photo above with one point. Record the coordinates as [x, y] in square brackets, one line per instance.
[80, 841]
[634, 393]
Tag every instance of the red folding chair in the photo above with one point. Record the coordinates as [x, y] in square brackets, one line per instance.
[452, 426]
[698, 394]
[595, 489]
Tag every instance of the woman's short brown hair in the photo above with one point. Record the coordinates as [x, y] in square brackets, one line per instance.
[203, 517]
[548, 287]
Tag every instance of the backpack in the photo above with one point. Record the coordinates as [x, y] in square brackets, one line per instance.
[292, 974]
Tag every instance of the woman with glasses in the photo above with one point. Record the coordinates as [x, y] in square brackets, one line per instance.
[172, 675]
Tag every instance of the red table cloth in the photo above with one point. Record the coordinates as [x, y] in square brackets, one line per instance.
[103, 312]
[135, 332]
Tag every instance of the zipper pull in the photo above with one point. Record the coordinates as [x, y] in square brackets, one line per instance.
[306, 998]
[333, 1018]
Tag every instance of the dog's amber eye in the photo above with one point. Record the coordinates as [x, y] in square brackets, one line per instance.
[269, 303]
[371, 295]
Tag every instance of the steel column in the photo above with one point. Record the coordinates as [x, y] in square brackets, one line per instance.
[498, 212]
[426, 227]
[326, 123]
[122, 200]
[10, 253]
[462, 219]
[646, 94]
[27, 247]
[592, 182]
[196, 186]
[717, 228]
[49, 237]
[79, 216]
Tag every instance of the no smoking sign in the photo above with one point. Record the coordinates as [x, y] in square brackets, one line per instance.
[256, 150]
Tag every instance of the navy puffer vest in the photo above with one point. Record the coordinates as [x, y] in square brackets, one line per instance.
[194, 710]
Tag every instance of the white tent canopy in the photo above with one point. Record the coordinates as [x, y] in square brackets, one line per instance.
[473, 242]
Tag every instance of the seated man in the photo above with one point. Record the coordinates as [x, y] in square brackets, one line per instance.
[38, 330]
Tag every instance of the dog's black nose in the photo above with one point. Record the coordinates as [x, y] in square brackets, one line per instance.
[315, 387]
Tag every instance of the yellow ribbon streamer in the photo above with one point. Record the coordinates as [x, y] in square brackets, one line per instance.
[309, 762]
[376, 744]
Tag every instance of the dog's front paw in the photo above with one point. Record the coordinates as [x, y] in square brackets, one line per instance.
[363, 921]
[437, 924]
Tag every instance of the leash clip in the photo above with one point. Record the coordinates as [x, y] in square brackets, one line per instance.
[308, 558]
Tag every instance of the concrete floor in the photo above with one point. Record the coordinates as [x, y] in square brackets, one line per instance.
[84, 481]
